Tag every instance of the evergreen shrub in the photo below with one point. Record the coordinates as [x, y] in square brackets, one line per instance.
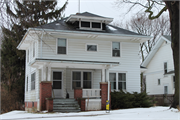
[121, 99]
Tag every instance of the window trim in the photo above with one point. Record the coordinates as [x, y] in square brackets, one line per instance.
[34, 81]
[120, 49]
[92, 76]
[91, 44]
[66, 46]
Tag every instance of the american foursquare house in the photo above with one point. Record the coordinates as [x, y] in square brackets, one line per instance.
[74, 63]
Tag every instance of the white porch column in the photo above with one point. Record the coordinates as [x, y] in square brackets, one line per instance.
[44, 73]
[107, 75]
[49, 73]
[103, 75]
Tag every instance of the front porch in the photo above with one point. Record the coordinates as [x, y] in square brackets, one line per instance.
[85, 81]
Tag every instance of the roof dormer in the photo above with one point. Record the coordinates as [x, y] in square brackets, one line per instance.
[89, 21]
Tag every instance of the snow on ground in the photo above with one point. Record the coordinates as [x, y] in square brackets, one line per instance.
[153, 113]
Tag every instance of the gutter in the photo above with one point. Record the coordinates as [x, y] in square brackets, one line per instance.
[108, 34]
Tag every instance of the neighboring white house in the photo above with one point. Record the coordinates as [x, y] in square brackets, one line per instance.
[82, 50]
[159, 73]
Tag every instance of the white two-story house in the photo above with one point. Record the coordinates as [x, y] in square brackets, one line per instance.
[82, 51]
[159, 73]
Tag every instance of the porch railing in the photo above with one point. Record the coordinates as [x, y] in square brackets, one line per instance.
[90, 93]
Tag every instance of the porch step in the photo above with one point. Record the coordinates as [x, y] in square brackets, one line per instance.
[65, 105]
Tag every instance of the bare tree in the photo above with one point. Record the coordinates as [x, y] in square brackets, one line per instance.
[152, 8]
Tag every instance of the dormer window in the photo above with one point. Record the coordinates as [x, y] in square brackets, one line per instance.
[96, 25]
[86, 25]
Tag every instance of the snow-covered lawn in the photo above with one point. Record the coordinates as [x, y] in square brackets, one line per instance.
[153, 113]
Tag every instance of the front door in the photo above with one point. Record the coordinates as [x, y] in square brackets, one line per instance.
[57, 91]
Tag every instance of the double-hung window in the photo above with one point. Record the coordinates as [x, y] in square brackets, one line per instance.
[159, 82]
[81, 79]
[61, 46]
[116, 49]
[112, 79]
[33, 79]
[121, 81]
[87, 80]
[165, 67]
[76, 79]
[57, 80]
[118, 81]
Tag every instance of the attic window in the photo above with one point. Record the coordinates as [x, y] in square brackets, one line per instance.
[96, 25]
[90, 25]
[85, 24]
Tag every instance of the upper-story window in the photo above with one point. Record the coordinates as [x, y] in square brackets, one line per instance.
[116, 49]
[165, 67]
[61, 46]
[91, 47]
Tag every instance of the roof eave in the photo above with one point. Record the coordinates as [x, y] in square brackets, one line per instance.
[106, 20]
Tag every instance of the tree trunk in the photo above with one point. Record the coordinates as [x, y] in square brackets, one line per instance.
[173, 8]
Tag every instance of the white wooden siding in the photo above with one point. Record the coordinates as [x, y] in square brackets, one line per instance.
[129, 61]
[155, 71]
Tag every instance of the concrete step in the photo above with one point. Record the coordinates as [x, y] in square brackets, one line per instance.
[65, 105]
[69, 100]
[66, 110]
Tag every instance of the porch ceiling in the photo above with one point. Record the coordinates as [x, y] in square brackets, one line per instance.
[39, 62]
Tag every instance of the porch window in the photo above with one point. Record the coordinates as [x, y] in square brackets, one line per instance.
[76, 81]
[81, 79]
[57, 77]
[112, 79]
[33, 78]
[121, 81]
[165, 67]
[116, 49]
[87, 80]
[61, 46]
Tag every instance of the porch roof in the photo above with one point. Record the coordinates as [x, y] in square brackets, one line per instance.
[39, 62]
